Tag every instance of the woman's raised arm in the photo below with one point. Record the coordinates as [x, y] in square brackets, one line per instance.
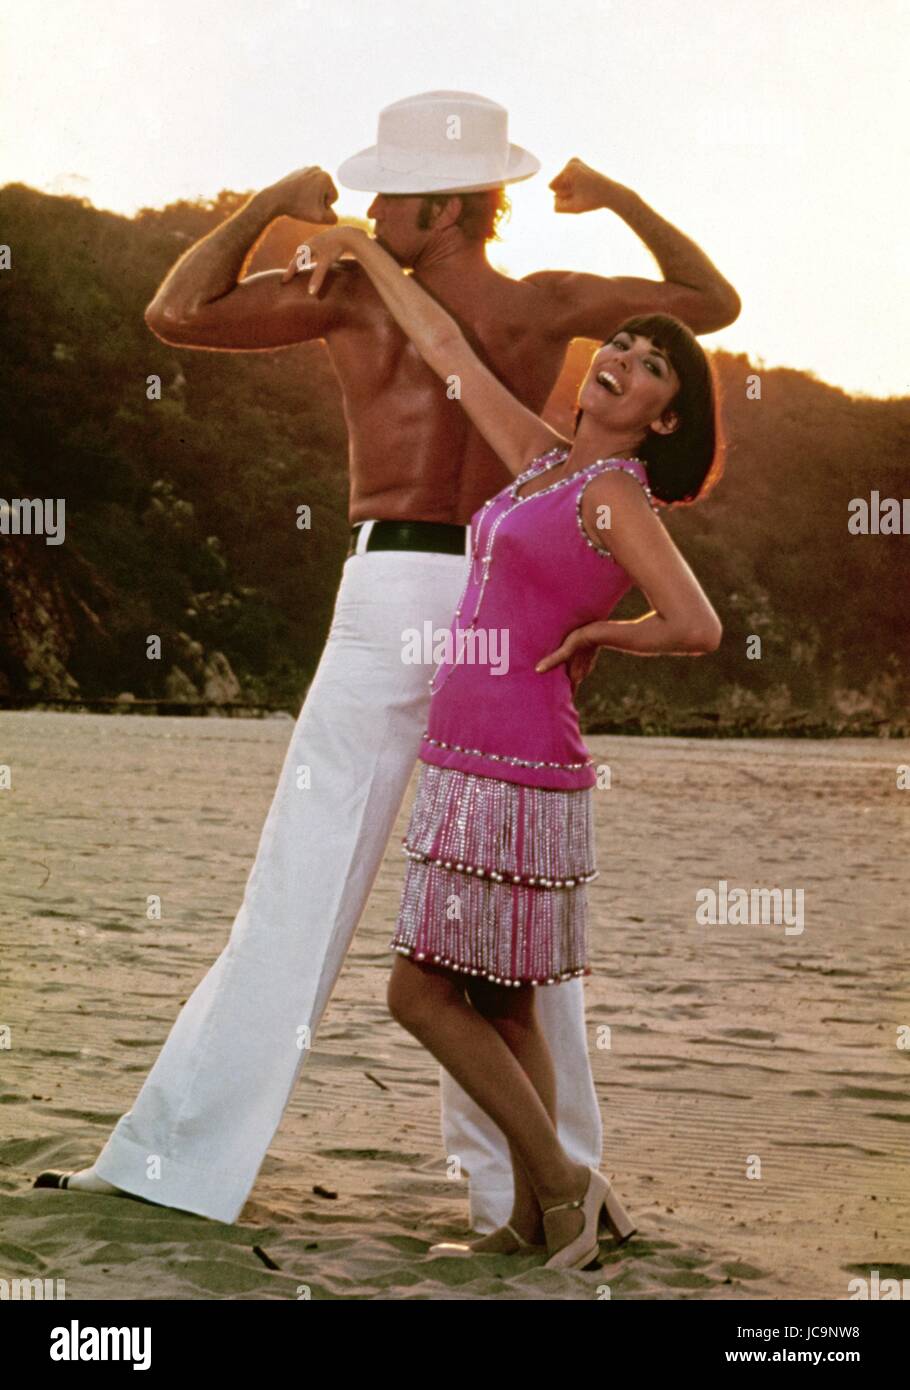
[515, 433]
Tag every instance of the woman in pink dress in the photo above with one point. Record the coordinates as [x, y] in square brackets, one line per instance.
[500, 842]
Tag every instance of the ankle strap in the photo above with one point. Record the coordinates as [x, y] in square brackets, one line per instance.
[564, 1206]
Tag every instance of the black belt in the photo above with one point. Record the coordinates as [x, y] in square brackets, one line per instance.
[442, 536]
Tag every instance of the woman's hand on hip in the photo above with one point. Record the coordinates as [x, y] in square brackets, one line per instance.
[579, 654]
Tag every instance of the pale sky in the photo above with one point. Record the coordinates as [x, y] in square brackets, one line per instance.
[773, 132]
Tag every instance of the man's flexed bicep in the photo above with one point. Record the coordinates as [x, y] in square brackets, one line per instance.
[260, 312]
[594, 306]
[203, 301]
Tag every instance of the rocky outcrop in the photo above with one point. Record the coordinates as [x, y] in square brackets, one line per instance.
[178, 686]
[219, 682]
[37, 626]
[51, 610]
[201, 676]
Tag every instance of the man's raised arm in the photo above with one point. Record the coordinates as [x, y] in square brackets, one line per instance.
[593, 306]
[202, 301]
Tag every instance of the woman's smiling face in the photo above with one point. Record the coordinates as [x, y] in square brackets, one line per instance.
[630, 382]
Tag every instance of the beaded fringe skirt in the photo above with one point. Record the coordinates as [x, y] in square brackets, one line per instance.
[495, 880]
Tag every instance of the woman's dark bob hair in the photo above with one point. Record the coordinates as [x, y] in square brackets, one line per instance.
[684, 466]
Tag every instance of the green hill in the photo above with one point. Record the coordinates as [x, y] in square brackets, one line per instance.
[181, 512]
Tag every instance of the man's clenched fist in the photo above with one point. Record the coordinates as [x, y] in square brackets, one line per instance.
[307, 194]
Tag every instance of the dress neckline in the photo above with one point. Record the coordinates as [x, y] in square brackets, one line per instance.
[563, 453]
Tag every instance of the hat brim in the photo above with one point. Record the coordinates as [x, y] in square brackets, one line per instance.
[364, 172]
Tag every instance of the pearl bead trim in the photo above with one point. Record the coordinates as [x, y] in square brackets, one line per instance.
[496, 876]
[488, 975]
[602, 549]
[505, 757]
[486, 560]
[532, 472]
[551, 459]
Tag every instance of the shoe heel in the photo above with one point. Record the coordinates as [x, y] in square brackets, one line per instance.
[616, 1217]
[583, 1250]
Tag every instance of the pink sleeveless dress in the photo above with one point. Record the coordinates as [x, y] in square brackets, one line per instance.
[500, 842]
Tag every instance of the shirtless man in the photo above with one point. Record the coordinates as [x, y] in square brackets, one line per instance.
[201, 1125]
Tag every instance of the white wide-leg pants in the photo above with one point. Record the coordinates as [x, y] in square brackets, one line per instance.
[201, 1125]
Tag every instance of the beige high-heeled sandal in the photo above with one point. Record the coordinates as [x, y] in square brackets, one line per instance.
[599, 1198]
[460, 1248]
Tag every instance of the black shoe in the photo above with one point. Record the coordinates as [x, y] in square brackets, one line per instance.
[53, 1178]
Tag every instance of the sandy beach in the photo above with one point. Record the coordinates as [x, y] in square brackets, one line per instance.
[755, 1097]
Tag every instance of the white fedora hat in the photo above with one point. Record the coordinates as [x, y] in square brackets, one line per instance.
[439, 142]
